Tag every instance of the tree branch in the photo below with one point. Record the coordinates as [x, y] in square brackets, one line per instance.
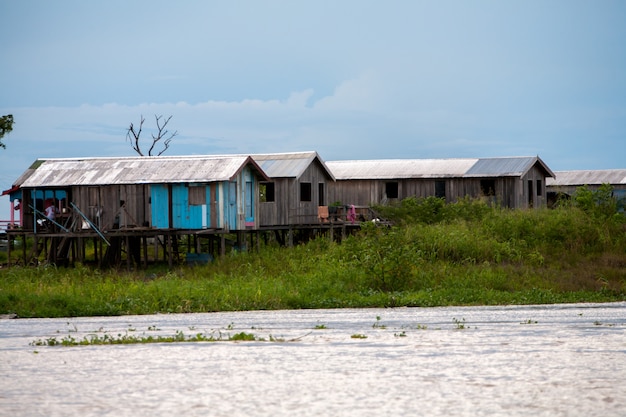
[133, 136]
[162, 134]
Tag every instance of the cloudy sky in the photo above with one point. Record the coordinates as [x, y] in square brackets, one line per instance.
[350, 79]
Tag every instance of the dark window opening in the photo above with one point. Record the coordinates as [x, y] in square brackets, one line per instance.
[197, 196]
[305, 191]
[391, 189]
[440, 189]
[488, 187]
[320, 189]
[539, 190]
[266, 191]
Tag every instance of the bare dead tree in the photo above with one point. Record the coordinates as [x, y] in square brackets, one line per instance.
[133, 135]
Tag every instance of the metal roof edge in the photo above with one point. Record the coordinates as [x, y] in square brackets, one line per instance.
[249, 160]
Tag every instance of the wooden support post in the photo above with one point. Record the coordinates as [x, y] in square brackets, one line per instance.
[9, 243]
[24, 247]
[128, 255]
[222, 245]
[170, 255]
[144, 245]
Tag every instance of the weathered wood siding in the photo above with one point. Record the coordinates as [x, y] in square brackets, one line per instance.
[276, 212]
[103, 205]
[511, 192]
[534, 192]
[288, 206]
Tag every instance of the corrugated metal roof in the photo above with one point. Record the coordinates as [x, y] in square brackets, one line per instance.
[504, 167]
[288, 165]
[284, 165]
[136, 170]
[432, 168]
[588, 177]
[399, 168]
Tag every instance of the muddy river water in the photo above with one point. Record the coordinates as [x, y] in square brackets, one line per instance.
[553, 360]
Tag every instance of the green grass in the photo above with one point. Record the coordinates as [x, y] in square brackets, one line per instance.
[470, 255]
[125, 339]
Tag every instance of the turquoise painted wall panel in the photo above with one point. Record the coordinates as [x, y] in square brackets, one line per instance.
[232, 205]
[184, 215]
[159, 198]
[249, 196]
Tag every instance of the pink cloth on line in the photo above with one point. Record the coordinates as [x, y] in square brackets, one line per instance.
[352, 213]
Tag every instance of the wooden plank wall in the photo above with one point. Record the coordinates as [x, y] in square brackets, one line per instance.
[102, 204]
[509, 191]
[288, 208]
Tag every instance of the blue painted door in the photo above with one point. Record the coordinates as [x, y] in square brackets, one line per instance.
[184, 215]
[159, 198]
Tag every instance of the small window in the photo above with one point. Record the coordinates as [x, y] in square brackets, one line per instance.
[440, 189]
[539, 190]
[197, 196]
[488, 187]
[391, 189]
[305, 191]
[266, 191]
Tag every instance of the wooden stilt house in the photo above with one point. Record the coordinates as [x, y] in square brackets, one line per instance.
[298, 185]
[515, 182]
[189, 193]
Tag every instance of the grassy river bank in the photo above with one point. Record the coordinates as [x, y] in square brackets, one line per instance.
[437, 254]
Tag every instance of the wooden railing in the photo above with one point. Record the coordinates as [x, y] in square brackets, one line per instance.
[8, 224]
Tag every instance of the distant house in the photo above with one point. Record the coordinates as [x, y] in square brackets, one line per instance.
[515, 182]
[189, 193]
[565, 183]
[298, 185]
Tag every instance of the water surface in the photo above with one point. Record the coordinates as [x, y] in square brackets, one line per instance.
[556, 360]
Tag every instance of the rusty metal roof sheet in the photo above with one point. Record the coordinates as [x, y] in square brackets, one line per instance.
[588, 177]
[134, 170]
[433, 168]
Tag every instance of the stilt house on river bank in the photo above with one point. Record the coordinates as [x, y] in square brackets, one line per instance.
[130, 198]
[515, 182]
[298, 186]
[207, 203]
